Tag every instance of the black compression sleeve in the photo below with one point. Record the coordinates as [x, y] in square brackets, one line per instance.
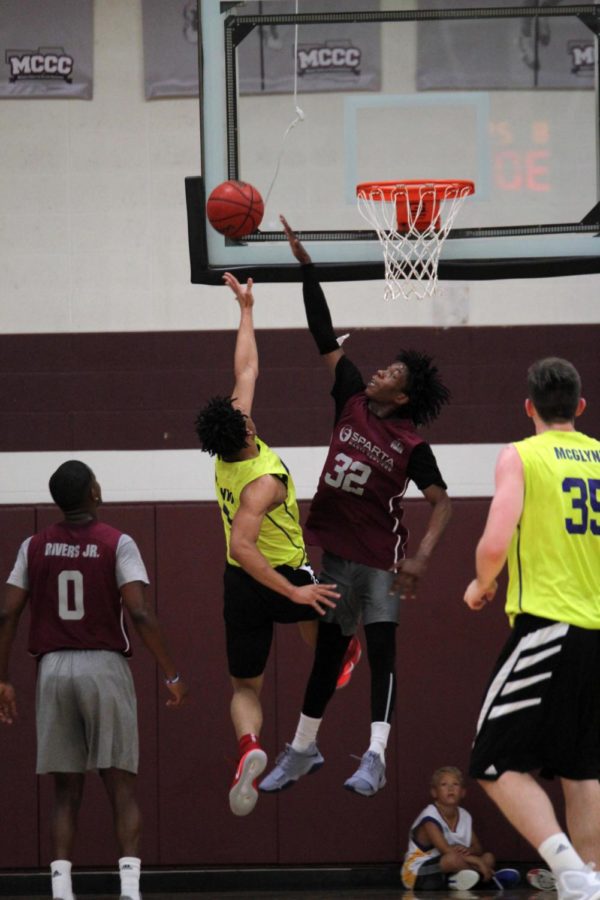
[317, 311]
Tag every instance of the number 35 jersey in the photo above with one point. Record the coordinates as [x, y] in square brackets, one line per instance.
[554, 556]
[357, 510]
[73, 574]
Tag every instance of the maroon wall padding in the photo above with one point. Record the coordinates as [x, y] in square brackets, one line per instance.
[445, 654]
[18, 785]
[142, 391]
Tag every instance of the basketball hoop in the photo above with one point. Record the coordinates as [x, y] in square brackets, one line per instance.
[412, 220]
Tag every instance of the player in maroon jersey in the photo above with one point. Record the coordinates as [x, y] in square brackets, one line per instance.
[78, 575]
[356, 517]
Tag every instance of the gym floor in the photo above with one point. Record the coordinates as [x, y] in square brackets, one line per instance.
[351, 894]
[523, 893]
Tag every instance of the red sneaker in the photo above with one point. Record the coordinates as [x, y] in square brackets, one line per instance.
[349, 663]
[243, 793]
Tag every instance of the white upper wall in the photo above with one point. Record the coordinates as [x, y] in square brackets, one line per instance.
[93, 232]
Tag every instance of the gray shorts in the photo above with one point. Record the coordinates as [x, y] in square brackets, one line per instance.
[365, 594]
[86, 712]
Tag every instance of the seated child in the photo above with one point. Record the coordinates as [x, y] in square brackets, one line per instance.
[442, 841]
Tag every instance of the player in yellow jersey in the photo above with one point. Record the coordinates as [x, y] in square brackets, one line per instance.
[541, 711]
[267, 576]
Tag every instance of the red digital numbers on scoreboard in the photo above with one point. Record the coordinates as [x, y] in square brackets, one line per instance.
[517, 167]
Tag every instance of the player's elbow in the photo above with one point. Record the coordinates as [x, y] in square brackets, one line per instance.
[236, 550]
[492, 550]
[140, 616]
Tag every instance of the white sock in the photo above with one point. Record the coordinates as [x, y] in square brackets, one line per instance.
[306, 733]
[129, 870]
[559, 853]
[60, 872]
[380, 732]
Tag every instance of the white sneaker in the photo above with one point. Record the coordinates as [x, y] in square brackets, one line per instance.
[463, 880]
[541, 879]
[578, 884]
[243, 793]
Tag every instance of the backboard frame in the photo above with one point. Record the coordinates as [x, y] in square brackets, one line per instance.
[221, 160]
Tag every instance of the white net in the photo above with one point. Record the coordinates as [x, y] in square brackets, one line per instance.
[412, 221]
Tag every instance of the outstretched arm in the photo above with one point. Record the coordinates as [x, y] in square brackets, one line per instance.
[256, 500]
[13, 605]
[245, 358]
[502, 520]
[315, 304]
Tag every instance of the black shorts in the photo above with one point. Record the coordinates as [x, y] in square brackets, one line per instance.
[541, 710]
[250, 611]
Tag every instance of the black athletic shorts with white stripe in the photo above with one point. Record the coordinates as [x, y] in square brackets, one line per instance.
[541, 710]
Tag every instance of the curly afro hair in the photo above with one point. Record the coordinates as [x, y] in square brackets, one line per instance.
[221, 428]
[426, 391]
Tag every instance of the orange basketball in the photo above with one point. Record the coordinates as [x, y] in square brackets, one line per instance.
[235, 208]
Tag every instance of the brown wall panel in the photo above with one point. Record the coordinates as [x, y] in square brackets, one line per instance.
[124, 391]
[18, 784]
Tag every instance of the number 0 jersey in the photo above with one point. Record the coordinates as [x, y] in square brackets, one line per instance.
[554, 556]
[280, 539]
[73, 573]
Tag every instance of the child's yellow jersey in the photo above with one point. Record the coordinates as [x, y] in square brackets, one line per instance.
[554, 556]
[280, 539]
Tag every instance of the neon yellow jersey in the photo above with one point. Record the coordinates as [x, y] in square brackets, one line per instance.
[280, 539]
[554, 556]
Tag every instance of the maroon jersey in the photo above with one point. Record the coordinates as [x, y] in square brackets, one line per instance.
[357, 510]
[73, 592]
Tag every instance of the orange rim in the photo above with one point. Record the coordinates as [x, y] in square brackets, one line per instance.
[440, 188]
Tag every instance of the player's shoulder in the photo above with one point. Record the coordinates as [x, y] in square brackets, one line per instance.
[106, 534]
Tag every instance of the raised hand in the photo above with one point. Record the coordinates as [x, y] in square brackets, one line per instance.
[296, 246]
[243, 295]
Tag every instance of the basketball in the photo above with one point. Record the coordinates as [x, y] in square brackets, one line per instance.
[235, 208]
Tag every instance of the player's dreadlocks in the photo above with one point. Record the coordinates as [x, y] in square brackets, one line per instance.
[427, 394]
[221, 428]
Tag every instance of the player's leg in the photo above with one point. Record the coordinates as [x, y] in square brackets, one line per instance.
[61, 751]
[127, 818]
[248, 638]
[120, 788]
[380, 616]
[245, 707]
[309, 630]
[68, 792]
[302, 756]
[107, 700]
[247, 719]
[528, 808]
[582, 801]
[554, 668]
[525, 804]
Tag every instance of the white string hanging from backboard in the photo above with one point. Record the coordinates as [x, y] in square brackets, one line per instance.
[299, 113]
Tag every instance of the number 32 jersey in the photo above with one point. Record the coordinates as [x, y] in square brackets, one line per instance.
[357, 510]
[554, 556]
[73, 574]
